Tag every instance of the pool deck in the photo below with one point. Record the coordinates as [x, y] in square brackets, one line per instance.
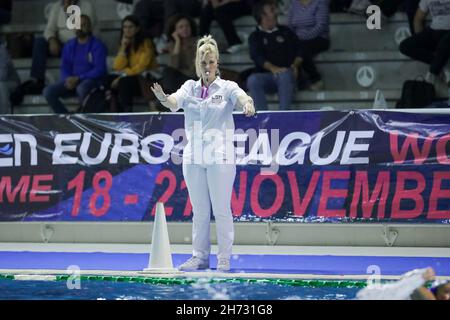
[39, 260]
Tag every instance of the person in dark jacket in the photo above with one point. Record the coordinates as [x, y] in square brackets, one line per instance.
[276, 52]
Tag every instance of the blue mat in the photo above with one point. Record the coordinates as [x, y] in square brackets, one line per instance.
[320, 265]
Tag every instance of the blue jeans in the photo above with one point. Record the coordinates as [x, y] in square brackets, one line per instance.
[261, 83]
[54, 92]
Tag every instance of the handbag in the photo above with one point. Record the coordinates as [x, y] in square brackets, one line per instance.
[96, 101]
[416, 94]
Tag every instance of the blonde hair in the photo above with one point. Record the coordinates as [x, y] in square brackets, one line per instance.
[205, 45]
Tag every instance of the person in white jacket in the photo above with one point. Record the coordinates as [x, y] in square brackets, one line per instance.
[56, 34]
[411, 286]
[208, 105]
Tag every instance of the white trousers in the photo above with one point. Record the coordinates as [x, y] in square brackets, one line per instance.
[211, 185]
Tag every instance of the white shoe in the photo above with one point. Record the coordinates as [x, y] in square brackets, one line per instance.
[447, 73]
[430, 78]
[236, 48]
[223, 265]
[316, 86]
[441, 86]
[194, 263]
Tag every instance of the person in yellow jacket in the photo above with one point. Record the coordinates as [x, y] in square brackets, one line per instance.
[136, 55]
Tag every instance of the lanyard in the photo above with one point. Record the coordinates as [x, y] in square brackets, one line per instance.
[204, 92]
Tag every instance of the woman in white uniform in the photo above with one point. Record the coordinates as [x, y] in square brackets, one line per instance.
[208, 158]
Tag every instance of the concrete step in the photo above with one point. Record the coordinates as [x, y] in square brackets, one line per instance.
[30, 17]
[340, 70]
[304, 100]
[34, 10]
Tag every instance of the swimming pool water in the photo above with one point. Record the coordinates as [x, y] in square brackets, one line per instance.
[201, 290]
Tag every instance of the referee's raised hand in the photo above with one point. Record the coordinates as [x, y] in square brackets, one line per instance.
[159, 92]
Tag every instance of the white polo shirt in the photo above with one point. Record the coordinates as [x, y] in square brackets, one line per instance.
[207, 121]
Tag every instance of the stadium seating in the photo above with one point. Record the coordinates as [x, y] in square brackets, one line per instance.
[359, 62]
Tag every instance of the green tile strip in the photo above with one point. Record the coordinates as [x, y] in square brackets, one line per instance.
[188, 281]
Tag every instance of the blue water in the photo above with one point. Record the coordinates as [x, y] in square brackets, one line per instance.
[108, 290]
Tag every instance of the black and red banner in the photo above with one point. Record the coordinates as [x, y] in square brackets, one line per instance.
[333, 166]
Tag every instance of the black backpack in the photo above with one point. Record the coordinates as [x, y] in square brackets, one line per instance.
[96, 101]
[416, 94]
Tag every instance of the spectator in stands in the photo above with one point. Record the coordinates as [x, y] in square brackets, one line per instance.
[82, 68]
[390, 7]
[224, 12]
[9, 79]
[275, 50]
[151, 17]
[190, 8]
[136, 56]
[431, 45]
[56, 34]
[182, 32]
[5, 11]
[310, 20]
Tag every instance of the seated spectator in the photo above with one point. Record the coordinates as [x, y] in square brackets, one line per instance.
[151, 17]
[224, 12]
[9, 80]
[136, 56]
[310, 20]
[431, 45]
[56, 34]
[5, 11]
[275, 50]
[182, 48]
[190, 8]
[82, 69]
[390, 7]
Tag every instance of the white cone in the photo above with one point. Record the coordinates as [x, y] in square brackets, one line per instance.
[379, 102]
[160, 255]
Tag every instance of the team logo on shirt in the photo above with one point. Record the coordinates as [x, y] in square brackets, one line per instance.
[216, 99]
[280, 39]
